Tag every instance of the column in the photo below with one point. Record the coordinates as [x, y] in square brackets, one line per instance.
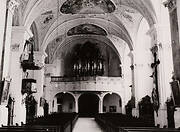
[47, 93]
[134, 97]
[174, 8]
[19, 35]
[39, 58]
[76, 105]
[57, 67]
[3, 109]
[161, 37]
[137, 87]
[101, 105]
[7, 11]
[2, 22]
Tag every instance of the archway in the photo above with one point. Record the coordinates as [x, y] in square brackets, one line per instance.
[112, 103]
[65, 102]
[88, 104]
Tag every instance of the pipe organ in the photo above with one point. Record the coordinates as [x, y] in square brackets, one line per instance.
[89, 67]
[87, 60]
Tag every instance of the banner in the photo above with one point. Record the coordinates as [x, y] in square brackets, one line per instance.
[5, 92]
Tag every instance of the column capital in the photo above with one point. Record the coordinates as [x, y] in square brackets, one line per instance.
[12, 5]
[131, 53]
[22, 29]
[40, 54]
[171, 4]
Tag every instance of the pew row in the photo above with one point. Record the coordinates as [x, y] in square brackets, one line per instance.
[126, 125]
[56, 122]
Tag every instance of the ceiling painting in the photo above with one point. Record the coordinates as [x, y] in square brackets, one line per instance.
[75, 6]
[86, 29]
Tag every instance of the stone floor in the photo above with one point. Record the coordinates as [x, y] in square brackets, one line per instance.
[86, 125]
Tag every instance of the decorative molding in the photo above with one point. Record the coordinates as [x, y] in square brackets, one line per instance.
[171, 4]
[126, 13]
[12, 5]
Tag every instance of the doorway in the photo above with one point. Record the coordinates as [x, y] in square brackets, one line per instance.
[88, 104]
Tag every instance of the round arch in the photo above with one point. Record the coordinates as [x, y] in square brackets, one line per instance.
[112, 102]
[109, 26]
[64, 102]
[79, 38]
[109, 52]
[88, 104]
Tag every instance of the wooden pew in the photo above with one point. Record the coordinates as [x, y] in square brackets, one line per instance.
[148, 130]
[119, 123]
[62, 122]
[22, 129]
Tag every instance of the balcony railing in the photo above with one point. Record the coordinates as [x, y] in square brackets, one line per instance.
[72, 79]
[94, 83]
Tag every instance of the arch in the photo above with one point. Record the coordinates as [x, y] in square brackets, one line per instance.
[80, 39]
[109, 26]
[83, 52]
[88, 104]
[65, 102]
[36, 7]
[112, 102]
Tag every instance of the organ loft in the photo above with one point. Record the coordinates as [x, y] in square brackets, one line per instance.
[70, 65]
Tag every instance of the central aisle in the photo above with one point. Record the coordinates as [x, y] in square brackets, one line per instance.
[86, 125]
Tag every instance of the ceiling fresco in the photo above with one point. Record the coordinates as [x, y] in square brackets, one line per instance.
[108, 14]
[86, 29]
[75, 6]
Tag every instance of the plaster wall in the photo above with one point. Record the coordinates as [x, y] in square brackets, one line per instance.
[143, 60]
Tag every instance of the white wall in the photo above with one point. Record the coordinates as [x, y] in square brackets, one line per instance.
[143, 60]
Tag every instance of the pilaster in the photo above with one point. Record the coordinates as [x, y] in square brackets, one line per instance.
[19, 35]
[161, 38]
[39, 59]
[7, 12]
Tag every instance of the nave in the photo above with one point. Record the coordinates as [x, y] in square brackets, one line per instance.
[72, 122]
[87, 124]
[89, 57]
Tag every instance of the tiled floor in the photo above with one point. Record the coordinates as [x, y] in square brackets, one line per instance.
[86, 125]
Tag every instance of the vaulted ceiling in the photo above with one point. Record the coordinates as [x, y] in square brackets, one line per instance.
[59, 21]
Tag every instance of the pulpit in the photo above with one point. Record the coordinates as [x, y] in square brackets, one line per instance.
[27, 57]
